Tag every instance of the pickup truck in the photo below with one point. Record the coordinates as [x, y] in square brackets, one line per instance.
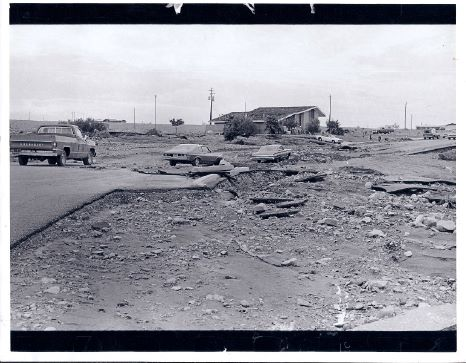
[54, 143]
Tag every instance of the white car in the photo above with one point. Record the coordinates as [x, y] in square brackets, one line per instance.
[329, 138]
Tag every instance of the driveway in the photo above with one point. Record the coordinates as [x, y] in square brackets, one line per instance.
[39, 194]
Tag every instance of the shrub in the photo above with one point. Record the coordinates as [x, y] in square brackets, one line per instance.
[272, 126]
[89, 126]
[333, 127]
[154, 132]
[290, 123]
[313, 126]
[175, 123]
[238, 126]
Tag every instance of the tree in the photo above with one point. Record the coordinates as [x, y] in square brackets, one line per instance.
[333, 127]
[272, 126]
[89, 126]
[290, 123]
[238, 126]
[176, 123]
[313, 127]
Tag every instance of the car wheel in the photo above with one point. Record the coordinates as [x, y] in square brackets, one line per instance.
[217, 162]
[172, 163]
[333, 141]
[320, 139]
[23, 160]
[89, 160]
[61, 160]
[52, 161]
[196, 161]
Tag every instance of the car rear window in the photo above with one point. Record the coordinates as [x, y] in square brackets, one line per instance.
[55, 130]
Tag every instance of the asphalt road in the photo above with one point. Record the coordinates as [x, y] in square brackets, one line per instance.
[41, 193]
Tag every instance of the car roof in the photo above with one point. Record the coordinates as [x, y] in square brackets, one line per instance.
[185, 147]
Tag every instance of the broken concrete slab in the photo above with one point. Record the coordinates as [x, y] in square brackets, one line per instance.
[428, 318]
[311, 178]
[293, 203]
[172, 171]
[238, 170]
[279, 213]
[214, 169]
[398, 188]
[208, 181]
[418, 180]
[270, 199]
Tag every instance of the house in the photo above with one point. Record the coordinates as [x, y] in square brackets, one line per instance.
[302, 115]
[448, 127]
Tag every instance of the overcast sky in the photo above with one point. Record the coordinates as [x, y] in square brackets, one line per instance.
[103, 71]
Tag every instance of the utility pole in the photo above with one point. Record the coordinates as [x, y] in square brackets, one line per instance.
[134, 118]
[212, 99]
[155, 111]
[29, 115]
[244, 109]
[411, 122]
[406, 104]
[330, 113]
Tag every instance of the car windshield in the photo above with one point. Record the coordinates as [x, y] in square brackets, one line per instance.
[184, 148]
[55, 130]
[269, 148]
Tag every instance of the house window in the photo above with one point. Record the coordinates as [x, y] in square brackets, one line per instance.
[301, 117]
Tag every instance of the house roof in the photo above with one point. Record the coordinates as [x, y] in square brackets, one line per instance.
[260, 113]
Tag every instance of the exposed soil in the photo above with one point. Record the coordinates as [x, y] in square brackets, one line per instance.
[205, 260]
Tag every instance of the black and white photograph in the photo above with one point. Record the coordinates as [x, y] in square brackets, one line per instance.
[236, 177]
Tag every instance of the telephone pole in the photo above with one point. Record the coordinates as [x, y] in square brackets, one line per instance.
[406, 104]
[330, 113]
[155, 111]
[411, 122]
[211, 99]
[134, 118]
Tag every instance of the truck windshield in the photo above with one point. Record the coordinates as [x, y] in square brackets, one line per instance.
[55, 130]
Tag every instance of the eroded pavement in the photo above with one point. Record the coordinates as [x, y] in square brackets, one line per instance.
[206, 260]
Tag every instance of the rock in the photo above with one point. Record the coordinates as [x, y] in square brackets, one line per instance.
[259, 208]
[368, 185]
[377, 284]
[366, 220]
[360, 211]
[84, 289]
[53, 290]
[429, 221]
[445, 226]
[215, 297]
[179, 220]
[96, 234]
[408, 253]
[195, 257]
[223, 253]
[376, 233]
[98, 252]
[244, 303]
[100, 226]
[302, 302]
[47, 280]
[170, 282]
[409, 206]
[176, 288]
[290, 262]
[329, 222]
[386, 312]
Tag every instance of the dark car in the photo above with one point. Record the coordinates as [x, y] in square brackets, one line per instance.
[54, 143]
[271, 153]
[194, 154]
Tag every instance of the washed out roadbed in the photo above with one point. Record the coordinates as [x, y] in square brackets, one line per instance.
[206, 260]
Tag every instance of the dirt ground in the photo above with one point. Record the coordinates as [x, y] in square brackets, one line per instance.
[199, 260]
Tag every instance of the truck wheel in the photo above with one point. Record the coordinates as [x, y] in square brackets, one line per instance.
[89, 160]
[196, 161]
[172, 163]
[61, 160]
[52, 161]
[23, 160]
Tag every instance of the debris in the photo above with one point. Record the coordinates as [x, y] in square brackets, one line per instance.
[47, 280]
[302, 302]
[286, 213]
[445, 226]
[329, 222]
[368, 185]
[53, 290]
[311, 178]
[270, 200]
[100, 226]
[215, 297]
[259, 208]
[408, 253]
[293, 203]
[399, 188]
[214, 169]
[290, 262]
[245, 303]
[209, 181]
[419, 180]
[376, 233]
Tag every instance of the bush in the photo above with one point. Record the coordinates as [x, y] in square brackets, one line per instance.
[290, 123]
[333, 127]
[89, 126]
[238, 126]
[154, 132]
[313, 126]
[272, 126]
